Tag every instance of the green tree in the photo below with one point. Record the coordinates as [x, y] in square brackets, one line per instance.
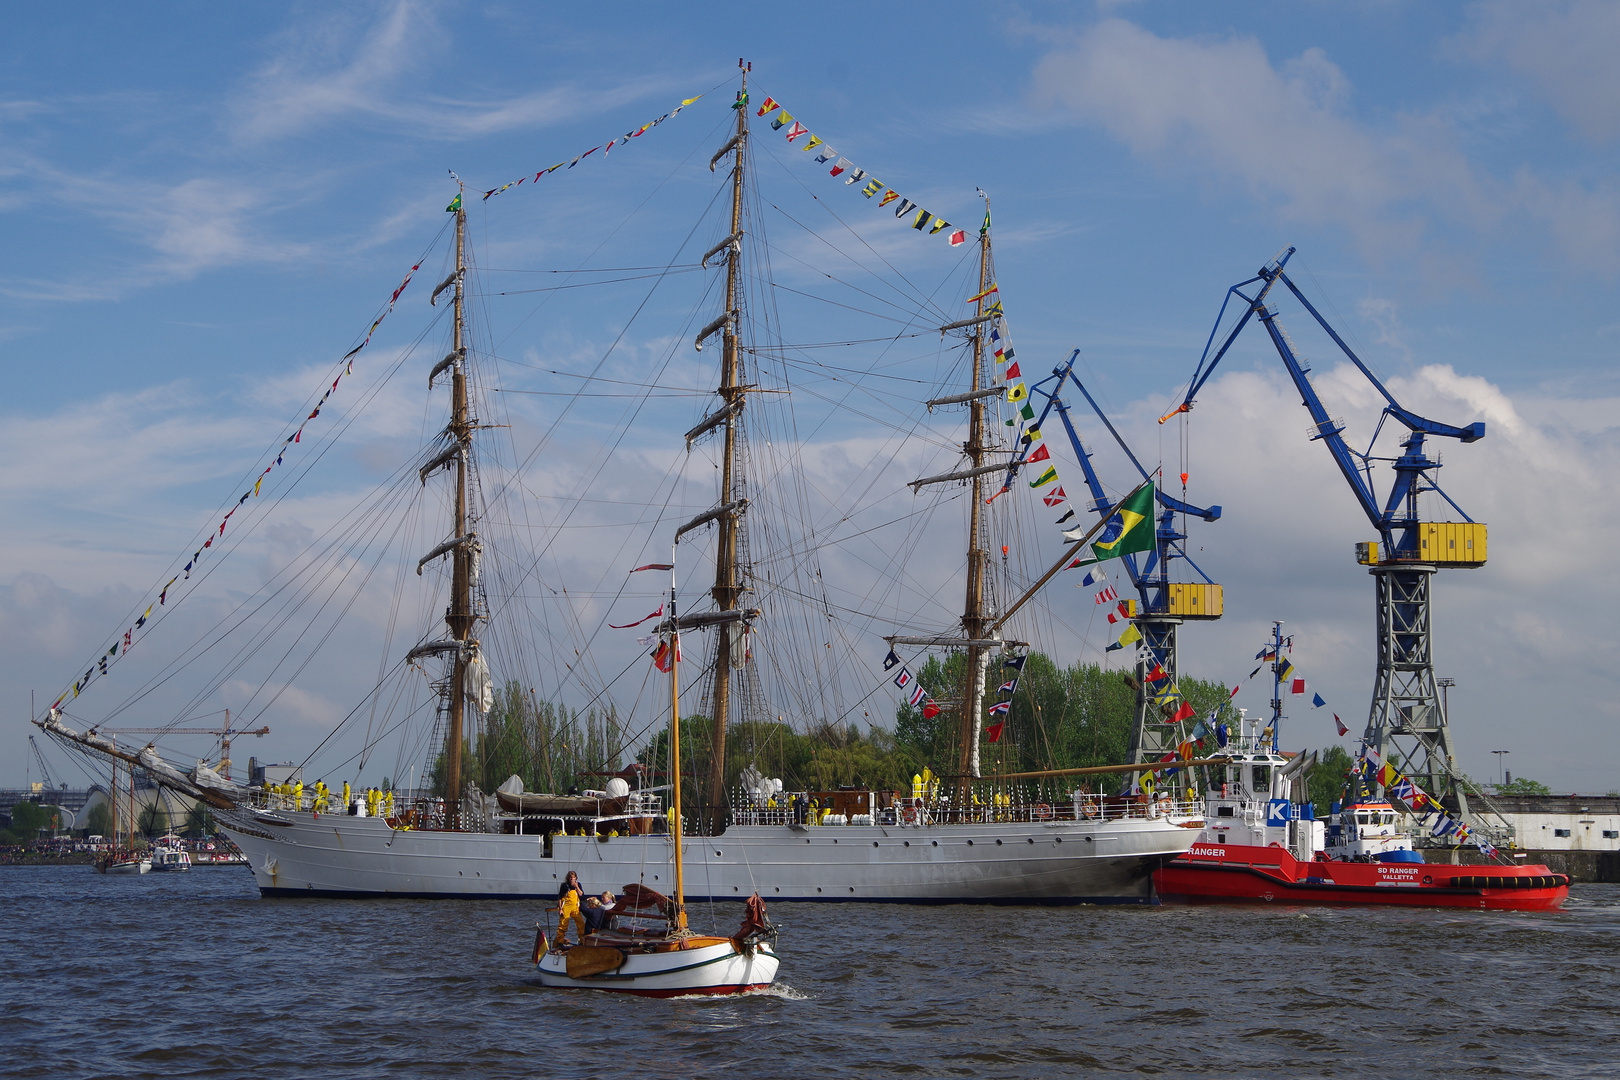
[1523, 786]
[1327, 779]
[199, 820]
[99, 821]
[27, 819]
[151, 820]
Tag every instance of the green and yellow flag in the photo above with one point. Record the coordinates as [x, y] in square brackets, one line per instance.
[455, 204]
[1129, 529]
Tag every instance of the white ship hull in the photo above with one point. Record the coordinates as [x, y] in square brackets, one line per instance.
[141, 866]
[1057, 862]
[710, 969]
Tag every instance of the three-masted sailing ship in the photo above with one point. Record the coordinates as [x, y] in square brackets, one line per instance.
[935, 844]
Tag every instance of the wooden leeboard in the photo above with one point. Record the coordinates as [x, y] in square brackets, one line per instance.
[585, 960]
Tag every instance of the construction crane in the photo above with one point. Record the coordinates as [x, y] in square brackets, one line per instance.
[1162, 605]
[1408, 713]
[224, 735]
[44, 770]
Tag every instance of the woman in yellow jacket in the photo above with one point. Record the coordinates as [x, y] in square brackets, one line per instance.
[568, 900]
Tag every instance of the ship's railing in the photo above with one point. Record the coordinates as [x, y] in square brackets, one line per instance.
[786, 809]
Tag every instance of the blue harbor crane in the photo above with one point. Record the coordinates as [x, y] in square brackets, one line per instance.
[1162, 605]
[1408, 713]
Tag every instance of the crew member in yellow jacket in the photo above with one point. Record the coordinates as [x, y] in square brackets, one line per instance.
[568, 898]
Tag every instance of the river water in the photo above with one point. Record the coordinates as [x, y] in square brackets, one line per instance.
[194, 975]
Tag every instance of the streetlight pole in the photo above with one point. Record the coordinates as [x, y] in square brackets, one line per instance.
[1499, 754]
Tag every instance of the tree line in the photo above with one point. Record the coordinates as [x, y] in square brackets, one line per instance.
[1060, 718]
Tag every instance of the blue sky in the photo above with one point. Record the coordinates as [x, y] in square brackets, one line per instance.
[202, 212]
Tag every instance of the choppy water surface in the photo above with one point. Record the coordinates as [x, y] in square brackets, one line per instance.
[193, 975]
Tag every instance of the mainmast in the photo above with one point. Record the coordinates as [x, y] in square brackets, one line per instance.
[973, 613]
[727, 589]
[459, 617]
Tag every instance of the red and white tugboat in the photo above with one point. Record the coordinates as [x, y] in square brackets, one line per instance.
[1258, 846]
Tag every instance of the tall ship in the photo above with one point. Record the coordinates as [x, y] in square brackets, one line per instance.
[765, 633]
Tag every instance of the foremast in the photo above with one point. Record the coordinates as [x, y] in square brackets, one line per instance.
[727, 591]
[460, 617]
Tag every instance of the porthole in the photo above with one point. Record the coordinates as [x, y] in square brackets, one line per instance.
[1057, 840]
[936, 843]
[818, 888]
[998, 843]
[779, 888]
[970, 843]
[717, 854]
[906, 842]
[734, 888]
[835, 839]
[1031, 839]
[807, 839]
[874, 843]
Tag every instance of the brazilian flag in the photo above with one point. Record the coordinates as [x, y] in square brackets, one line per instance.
[455, 204]
[1129, 529]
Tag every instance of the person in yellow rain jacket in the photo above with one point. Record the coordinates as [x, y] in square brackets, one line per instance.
[568, 899]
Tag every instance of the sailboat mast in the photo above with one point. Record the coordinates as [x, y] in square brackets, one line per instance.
[675, 831]
[459, 616]
[727, 590]
[113, 803]
[973, 616]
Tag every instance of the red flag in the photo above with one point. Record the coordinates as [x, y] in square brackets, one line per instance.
[1235, 689]
[1342, 729]
[1041, 454]
[653, 566]
[665, 658]
[1186, 712]
[769, 106]
[994, 730]
[930, 710]
[638, 622]
[1299, 686]
[1012, 371]
[1053, 497]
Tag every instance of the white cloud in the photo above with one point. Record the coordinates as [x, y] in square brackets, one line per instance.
[1219, 109]
[338, 68]
[1220, 104]
[1565, 49]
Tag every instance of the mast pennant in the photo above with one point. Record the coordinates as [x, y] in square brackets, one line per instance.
[607, 148]
[910, 212]
[121, 644]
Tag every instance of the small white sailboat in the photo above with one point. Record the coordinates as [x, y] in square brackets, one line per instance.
[645, 946]
[122, 860]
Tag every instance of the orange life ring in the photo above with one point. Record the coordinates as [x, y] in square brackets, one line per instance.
[908, 815]
[1042, 811]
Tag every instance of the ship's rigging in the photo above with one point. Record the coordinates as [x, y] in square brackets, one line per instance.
[553, 500]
